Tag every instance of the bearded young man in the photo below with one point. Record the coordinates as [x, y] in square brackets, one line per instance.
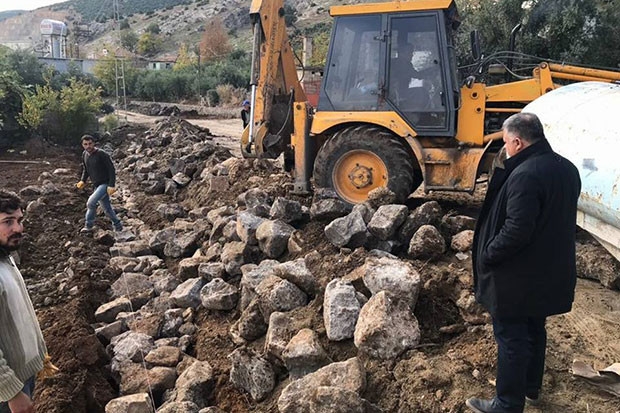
[22, 349]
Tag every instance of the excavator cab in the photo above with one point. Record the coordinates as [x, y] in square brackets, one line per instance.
[393, 62]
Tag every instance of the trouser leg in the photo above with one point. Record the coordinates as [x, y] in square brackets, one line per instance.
[109, 211]
[91, 205]
[28, 389]
[537, 336]
[511, 336]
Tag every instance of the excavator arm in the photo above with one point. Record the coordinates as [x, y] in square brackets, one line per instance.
[479, 100]
[274, 83]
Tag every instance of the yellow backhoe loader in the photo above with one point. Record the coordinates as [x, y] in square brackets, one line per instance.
[392, 110]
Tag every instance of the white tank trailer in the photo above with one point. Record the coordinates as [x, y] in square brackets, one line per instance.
[54, 36]
[580, 123]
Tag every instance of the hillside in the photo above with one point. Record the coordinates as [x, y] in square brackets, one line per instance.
[180, 21]
[10, 13]
[102, 10]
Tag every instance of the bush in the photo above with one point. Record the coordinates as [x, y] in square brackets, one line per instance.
[62, 116]
[109, 122]
[229, 94]
[213, 98]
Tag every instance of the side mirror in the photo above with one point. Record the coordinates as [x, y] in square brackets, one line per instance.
[474, 39]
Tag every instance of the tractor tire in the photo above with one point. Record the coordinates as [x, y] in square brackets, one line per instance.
[358, 159]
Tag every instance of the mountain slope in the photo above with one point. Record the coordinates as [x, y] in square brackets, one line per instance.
[10, 13]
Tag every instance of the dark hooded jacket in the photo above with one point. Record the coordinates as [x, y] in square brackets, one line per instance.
[524, 244]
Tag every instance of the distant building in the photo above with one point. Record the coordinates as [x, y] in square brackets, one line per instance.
[162, 63]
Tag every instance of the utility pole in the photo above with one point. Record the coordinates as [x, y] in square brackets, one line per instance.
[121, 92]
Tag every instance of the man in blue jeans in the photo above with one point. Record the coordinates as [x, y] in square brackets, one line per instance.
[524, 258]
[98, 165]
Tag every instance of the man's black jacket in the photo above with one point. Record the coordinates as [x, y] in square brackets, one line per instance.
[524, 244]
[99, 167]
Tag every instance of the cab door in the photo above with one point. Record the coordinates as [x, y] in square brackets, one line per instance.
[417, 78]
[355, 65]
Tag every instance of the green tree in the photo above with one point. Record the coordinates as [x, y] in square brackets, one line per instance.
[290, 14]
[149, 44]
[129, 39]
[574, 31]
[153, 28]
[124, 24]
[105, 73]
[11, 95]
[184, 58]
[25, 64]
[320, 46]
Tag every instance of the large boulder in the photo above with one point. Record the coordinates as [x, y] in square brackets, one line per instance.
[304, 354]
[427, 243]
[273, 237]
[340, 310]
[396, 277]
[387, 220]
[386, 328]
[349, 231]
[251, 373]
[348, 376]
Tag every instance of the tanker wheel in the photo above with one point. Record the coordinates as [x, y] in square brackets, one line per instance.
[358, 159]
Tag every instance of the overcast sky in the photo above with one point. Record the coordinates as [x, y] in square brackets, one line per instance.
[25, 4]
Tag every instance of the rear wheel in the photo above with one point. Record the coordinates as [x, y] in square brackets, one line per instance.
[358, 159]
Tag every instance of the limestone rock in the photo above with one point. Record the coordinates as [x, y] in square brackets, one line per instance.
[276, 294]
[340, 310]
[454, 224]
[285, 210]
[196, 384]
[462, 241]
[251, 373]
[396, 277]
[349, 231]
[247, 225]
[386, 328]
[188, 293]
[219, 295]
[134, 403]
[304, 354]
[347, 375]
[131, 346]
[188, 267]
[251, 324]
[387, 220]
[298, 273]
[166, 356]
[273, 237]
[427, 243]
[107, 312]
[429, 213]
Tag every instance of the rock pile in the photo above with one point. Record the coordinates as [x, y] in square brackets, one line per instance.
[249, 258]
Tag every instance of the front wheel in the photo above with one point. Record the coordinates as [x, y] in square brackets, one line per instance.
[358, 159]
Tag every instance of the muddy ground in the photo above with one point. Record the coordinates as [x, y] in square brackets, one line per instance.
[436, 377]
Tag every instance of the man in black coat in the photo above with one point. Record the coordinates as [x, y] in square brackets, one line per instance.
[524, 258]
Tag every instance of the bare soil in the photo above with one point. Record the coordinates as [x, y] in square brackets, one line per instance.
[436, 377]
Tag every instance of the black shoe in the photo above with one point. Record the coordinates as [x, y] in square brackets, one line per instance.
[484, 406]
[533, 401]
